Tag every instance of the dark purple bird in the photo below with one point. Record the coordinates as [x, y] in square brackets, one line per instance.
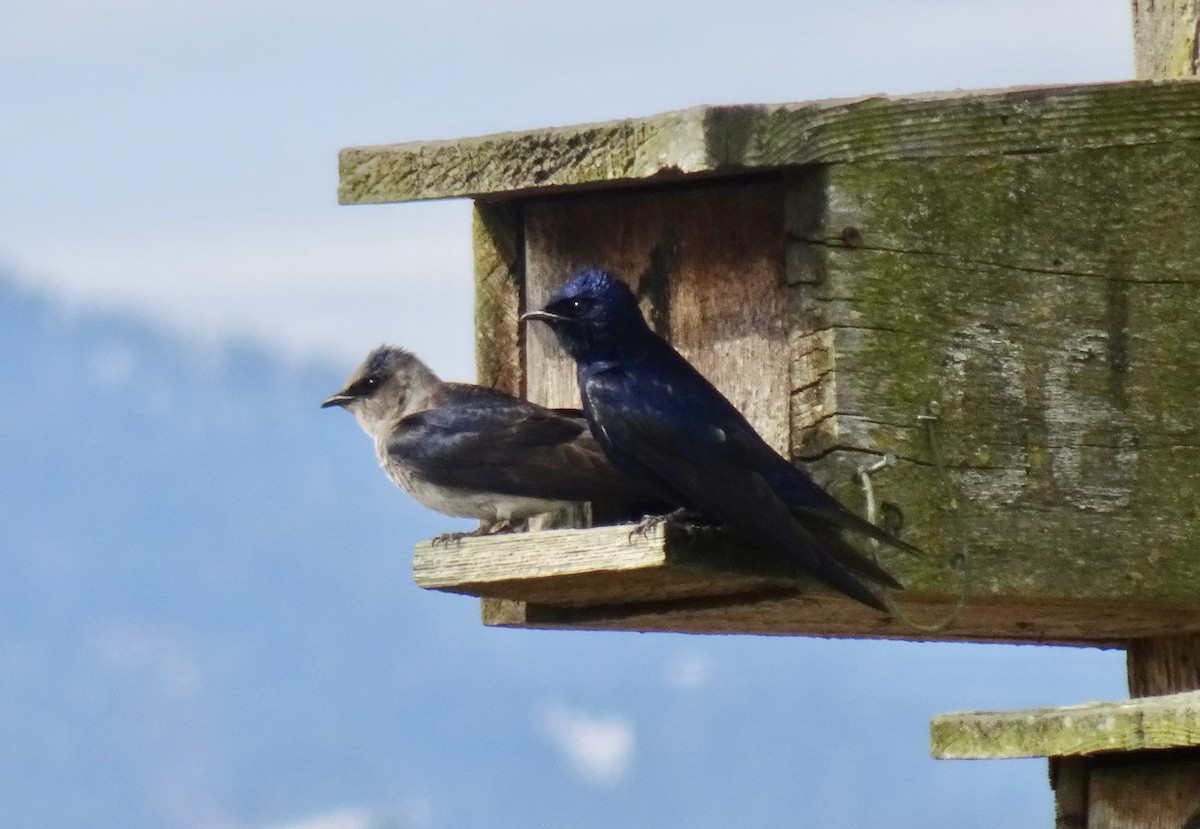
[663, 424]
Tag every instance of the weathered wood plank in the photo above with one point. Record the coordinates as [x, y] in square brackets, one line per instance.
[631, 149]
[1048, 304]
[499, 278]
[606, 564]
[736, 139]
[707, 262]
[928, 619]
[1132, 725]
[1166, 38]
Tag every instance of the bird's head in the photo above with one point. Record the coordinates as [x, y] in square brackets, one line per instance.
[594, 315]
[389, 384]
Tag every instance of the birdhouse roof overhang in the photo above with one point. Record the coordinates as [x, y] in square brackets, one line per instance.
[710, 141]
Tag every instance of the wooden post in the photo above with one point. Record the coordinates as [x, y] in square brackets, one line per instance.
[1165, 665]
[1144, 790]
[1068, 779]
[1166, 38]
[1162, 791]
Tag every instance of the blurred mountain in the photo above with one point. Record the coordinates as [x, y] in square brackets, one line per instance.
[207, 620]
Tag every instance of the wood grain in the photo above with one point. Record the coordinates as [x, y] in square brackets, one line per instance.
[499, 279]
[707, 263]
[1069, 779]
[815, 613]
[1166, 38]
[1146, 790]
[607, 564]
[1167, 665]
[1048, 305]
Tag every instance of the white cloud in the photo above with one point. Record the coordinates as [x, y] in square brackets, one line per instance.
[335, 288]
[112, 365]
[599, 749]
[689, 669]
[163, 664]
[412, 813]
[341, 819]
[201, 189]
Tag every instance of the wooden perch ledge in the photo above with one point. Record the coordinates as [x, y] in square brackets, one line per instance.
[580, 568]
[701, 580]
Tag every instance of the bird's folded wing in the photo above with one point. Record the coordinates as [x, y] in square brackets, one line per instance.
[743, 499]
[696, 414]
[688, 456]
[721, 480]
[507, 447]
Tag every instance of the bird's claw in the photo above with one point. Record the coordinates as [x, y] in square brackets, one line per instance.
[650, 523]
[484, 528]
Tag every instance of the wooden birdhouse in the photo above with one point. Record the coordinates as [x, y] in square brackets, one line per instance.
[973, 316]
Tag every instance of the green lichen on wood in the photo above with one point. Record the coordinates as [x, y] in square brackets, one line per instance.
[637, 148]
[732, 140]
[1149, 723]
[1166, 39]
[1047, 302]
[991, 123]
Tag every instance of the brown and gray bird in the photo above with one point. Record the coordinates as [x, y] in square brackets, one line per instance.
[473, 451]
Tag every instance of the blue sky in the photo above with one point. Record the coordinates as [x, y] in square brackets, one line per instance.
[208, 621]
[180, 158]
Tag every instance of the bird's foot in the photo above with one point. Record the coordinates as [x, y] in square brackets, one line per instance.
[650, 523]
[504, 525]
[484, 528]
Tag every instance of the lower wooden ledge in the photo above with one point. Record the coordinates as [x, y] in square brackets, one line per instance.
[783, 612]
[1170, 721]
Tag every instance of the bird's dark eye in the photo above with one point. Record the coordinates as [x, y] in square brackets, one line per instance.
[571, 306]
[366, 386]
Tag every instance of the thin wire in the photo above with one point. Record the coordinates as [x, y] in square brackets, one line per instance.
[958, 560]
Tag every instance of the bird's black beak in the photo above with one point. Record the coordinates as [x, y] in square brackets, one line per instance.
[544, 316]
[339, 399]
